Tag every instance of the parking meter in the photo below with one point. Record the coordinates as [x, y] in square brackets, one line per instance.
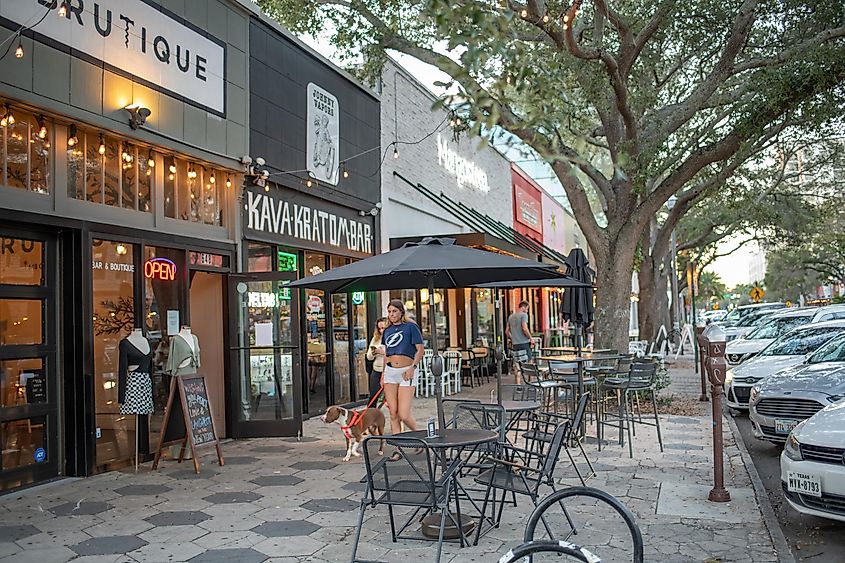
[715, 342]
[714, 337]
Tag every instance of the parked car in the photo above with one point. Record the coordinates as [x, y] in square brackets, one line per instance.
[712, 315]
[779, 402]
[739, 313]
[778, 324]
[787, 351]
[747, 324]
[812, 465]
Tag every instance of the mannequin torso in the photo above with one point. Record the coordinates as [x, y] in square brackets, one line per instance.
[136, 338]
[187, 336]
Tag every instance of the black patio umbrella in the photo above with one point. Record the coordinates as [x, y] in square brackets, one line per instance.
[563, 281]
[431, 263]
[578, 301]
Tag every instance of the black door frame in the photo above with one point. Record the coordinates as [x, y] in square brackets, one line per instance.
[263, 428]
[48, 352]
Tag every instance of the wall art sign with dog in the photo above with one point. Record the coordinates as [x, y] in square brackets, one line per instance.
[188, 420]
[322, 141]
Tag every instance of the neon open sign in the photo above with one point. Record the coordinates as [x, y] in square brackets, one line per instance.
[160, 269]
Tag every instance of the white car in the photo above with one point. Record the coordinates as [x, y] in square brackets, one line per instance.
[812, 465]
[775, 326]
[713, 315]
[739, 313]
[747, 324]
[787, 351]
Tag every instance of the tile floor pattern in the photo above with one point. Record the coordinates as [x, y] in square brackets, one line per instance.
[283, 500]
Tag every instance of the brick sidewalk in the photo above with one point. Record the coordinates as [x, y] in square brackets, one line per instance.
[281, 500]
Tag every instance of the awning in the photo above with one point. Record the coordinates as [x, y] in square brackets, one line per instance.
[485, 224]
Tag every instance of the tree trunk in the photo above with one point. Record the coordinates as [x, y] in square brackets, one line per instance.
[653, 307]
[613, 302]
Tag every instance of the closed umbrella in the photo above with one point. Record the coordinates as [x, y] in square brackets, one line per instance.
[578, 302]
[431, 263]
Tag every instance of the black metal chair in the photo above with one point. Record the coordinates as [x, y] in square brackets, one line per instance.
[542, 432]
[406, 478]
[641, 378]
[522, 472]
[544, 386]
[450, 404]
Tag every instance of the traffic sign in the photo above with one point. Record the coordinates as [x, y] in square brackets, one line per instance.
[788, 303]
[757, 294]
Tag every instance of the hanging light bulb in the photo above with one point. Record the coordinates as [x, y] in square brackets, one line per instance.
[170, 177]
[266, 187]
[524, 13]
[19, 50]
[212, 180]
[62, 10]
[395, 152]
[4, 121]
[10, 117]
[151, 162]
[345, 172]
[102, 149]
[173, 169]
[42, 129]
[72, 139]
[228, 182]
[308, 183]
[546, 18]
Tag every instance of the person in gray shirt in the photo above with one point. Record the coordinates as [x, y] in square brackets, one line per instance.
[520, 336]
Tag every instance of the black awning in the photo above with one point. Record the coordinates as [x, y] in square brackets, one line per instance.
[486, 224]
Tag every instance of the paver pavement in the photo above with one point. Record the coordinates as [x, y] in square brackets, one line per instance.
[283, 500]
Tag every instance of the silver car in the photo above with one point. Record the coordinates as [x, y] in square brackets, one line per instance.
[747, 324]
[775, 326]
[781, 401]
[787, 351]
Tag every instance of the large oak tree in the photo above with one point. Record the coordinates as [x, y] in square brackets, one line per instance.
[631, 100]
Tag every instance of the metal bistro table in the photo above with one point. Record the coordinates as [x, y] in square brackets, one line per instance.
[456, 439]
[517, 411]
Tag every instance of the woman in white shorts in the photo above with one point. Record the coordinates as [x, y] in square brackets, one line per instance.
[402, 346]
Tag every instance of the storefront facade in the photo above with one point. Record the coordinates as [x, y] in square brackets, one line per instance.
[317, 129]
[119, 145]
[440, 185]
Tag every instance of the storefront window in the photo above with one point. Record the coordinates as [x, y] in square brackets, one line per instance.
[193, 192]
[25, 151]
[19, 439]
[113, 276]
[22, 382]
[315, 328]
[21, 322]
[21, 262]
[441, 308]
[259, 257]
[484, 317]
[103, 169]
[362, 339]
[340, 348]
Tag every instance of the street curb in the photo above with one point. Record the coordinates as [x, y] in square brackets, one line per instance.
[784, 553]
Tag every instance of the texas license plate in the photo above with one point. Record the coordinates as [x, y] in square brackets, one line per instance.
[785, 425]
[803, 483]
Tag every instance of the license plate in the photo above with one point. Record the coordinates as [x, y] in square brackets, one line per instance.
[803, 483]
[785, 426]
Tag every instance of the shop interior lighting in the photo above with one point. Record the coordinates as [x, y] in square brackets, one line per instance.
[72, 139]
[42, 128]
[102, 148]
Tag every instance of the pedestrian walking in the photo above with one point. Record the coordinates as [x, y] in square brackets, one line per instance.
[403, 350]
[375, 362]
[519, 334]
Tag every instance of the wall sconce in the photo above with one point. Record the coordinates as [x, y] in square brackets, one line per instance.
[137, 115]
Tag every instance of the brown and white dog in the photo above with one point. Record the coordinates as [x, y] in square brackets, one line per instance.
[369, 422]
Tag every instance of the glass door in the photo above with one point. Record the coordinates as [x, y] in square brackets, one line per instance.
[29, 394]
[265, 357]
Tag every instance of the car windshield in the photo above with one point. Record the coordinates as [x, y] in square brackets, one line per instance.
[731, 318]
[802, 342]
[775, 328]
[833, 351]
[753, 319]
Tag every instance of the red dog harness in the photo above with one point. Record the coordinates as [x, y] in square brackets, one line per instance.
[357, 419]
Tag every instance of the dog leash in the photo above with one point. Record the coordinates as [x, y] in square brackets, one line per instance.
[357, 417]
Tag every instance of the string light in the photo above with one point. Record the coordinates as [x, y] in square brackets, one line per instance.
[42, 128]
[267, 187]
[524, 13]
[546, 18]
[212, 180]
[8, 116]
[173, 169]
[151, 162]
[62, 10]
[72, 139]
[102, 149]
[566, 18]
[395, 152]
[308, 183]
[345, 172]
[228, 182]
[19, 50]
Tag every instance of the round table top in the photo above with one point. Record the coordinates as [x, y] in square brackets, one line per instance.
[520, 406]
[454, 437]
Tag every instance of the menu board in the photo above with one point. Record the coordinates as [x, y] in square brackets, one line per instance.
[198, 411]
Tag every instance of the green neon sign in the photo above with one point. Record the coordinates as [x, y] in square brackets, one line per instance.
[287, 262]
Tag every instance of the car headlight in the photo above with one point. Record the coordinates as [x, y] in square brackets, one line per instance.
[792, 449]
[755, 391]
[729, 377]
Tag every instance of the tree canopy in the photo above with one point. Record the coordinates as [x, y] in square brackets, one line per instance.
[644, 98]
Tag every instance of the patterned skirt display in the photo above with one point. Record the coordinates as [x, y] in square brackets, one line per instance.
[139, 394]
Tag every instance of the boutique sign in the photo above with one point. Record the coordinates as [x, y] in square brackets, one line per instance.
[137, 37]
[299, 220]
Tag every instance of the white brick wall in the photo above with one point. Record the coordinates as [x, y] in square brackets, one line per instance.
[407, 115]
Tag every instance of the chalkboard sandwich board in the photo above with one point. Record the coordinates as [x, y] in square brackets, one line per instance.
[194, 425]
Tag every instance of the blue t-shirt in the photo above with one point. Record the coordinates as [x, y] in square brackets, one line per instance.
[402, 339]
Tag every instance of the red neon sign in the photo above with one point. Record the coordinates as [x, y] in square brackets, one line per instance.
[160, 269]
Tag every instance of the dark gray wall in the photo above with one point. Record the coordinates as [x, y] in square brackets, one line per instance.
[280, 71]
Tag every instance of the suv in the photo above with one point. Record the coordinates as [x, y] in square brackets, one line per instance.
[739, 313]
